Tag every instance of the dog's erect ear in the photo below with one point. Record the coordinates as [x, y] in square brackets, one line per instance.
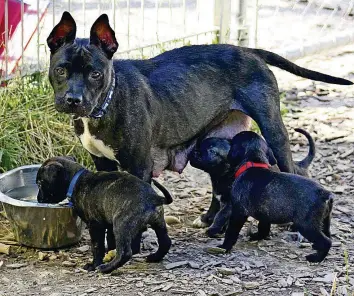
[271, 158]
[103, 36]
[63, 33]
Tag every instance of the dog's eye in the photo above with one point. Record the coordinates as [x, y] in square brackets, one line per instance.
[60, 71]
[95, 74]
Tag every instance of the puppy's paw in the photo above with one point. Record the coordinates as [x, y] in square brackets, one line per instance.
[89, 267]
[257, 236]
[198, 223]
[225, 247]
[213, 232]
[314, 258]
[153, 258]
[104, 268]
[254, 236]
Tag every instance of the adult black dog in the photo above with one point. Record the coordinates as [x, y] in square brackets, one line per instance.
[210, 155]
[117, 201]
[274, 197]
[148, 114]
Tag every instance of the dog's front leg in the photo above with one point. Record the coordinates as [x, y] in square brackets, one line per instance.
[236, 222]
[104, 164]
[137, 162]
[220, 220]
[97, 234]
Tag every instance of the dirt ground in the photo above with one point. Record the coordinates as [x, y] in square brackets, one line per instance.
[270, 267]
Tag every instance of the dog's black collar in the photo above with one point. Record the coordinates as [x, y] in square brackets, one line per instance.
[73, 182]
[102, 110]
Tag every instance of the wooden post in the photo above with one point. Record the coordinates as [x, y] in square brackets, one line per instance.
[242, 23]
[222, 19]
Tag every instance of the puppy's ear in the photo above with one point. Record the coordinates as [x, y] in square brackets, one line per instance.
[70, 157]
[271, 158]
[63, 33]
[53, 169]
[236, 154]
[103, 36]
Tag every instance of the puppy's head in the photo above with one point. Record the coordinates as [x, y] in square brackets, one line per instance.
[210, 155]
[53, 179]
[249, 146]
[80, 69]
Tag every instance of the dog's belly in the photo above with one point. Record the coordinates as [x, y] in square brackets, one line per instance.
[177, 159]
[93, 145]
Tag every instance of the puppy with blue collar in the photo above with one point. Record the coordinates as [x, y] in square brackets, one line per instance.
[117, 202]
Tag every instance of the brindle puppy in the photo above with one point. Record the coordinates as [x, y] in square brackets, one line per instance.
[116, 201]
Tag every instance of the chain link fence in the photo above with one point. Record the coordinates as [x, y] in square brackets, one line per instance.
[296, 28]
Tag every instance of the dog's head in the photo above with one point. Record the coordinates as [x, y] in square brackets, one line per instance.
[81, 70]
[210, 155]
[53, 179]
[248, 146]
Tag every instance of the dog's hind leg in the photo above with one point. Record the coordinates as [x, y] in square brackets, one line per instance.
[111, 242]
[136, 242]
[263, 231]
[321, 243]
[164, 241]
[262, 104]
[97, 234]
[123, 248]
[326, 225]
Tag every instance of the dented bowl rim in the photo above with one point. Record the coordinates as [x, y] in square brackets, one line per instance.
[7, 200]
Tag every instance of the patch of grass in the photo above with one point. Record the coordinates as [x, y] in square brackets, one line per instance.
[31, 130]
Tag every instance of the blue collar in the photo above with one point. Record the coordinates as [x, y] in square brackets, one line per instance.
[99, 112]
[73, 182]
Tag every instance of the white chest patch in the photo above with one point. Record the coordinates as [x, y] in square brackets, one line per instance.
[218, 197]
[94, 145]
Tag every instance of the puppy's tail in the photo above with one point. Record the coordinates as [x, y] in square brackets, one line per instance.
[305, 163]
[168, 197]
[284, 64]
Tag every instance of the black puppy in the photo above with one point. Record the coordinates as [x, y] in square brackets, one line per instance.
[211, 156]
[117, 201]
[274, 197]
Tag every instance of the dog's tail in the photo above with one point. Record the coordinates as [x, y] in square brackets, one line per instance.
[305, 163]
[168, 197]
[282, 63]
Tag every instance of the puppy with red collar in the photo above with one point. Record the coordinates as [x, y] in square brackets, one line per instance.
[271, 197]
[210, 155]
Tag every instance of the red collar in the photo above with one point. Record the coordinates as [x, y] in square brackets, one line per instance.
[250, 164]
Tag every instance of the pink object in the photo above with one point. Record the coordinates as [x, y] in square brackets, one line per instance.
[14, 45]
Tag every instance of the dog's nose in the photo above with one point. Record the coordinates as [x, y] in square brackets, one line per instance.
[74, 100]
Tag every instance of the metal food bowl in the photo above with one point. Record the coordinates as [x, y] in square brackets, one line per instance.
[44, 226]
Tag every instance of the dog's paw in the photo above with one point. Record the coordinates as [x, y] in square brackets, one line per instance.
[314, 258]
[198, 223]
[257, 236]
[254, 236]
[226, 248]
[153, 258]
[104, 268]
[213, 232]
[89, 267]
